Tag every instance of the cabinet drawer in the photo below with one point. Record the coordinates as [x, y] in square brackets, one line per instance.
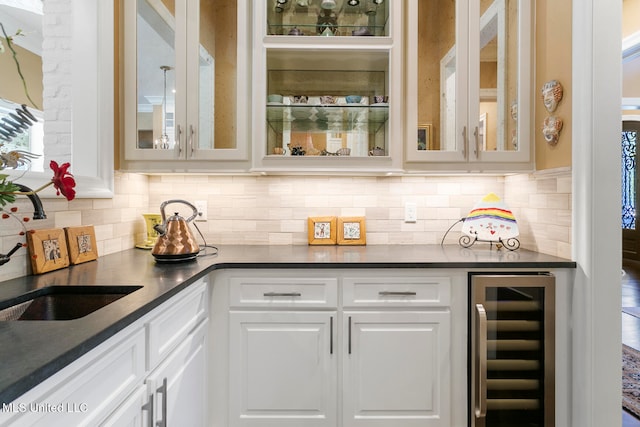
[283, 292]
[396, 292]
[179, 316]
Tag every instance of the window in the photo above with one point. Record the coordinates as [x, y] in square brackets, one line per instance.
[31, 139]
[629, 139]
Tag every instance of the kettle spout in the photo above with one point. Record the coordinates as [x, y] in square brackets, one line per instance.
[160, 228]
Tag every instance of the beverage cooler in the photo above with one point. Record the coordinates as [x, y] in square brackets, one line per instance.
[511, 350]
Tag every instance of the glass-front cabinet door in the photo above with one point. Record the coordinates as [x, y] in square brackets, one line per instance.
[468, 84]
[327, 86]
[181, 80]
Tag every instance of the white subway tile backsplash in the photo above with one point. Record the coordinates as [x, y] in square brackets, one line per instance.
[559, 201]
[374, 238]
[412, 227]
[564, 184]
[111, 246]
[274, 209]
[243, 226]
[435, 201]
[546, 185]
[563, 250]
[448, 188]
[293, 226]
[67, 219]
[544, 219]
[355, 211]
[449, 213]
[280, 239]
[365, 201]
[103, 203]
[316, 200]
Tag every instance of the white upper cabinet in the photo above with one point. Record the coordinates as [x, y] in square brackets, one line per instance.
[185, 79]
[468, 91]
[327, 86]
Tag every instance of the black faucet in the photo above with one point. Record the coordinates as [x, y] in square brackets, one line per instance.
[38, 210]
[5, 258]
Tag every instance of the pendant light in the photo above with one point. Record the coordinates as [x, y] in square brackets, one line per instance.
[163, 141]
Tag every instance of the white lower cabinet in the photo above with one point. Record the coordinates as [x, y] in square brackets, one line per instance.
[283, 367]
[129, 414]
[372, 351]
[175, 390]
[154, 372]
[394, 369]
[86, 391]
[178, 387]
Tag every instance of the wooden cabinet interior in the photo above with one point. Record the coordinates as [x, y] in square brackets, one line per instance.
[498, 73]
[468, 72]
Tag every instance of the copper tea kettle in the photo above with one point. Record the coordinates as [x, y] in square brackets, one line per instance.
[176, 242]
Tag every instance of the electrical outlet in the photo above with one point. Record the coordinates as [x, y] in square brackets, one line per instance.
[410, 212]
[201, 206]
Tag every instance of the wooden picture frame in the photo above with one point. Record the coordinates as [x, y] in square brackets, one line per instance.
[352, 231]
[425, 137]
[322, 230]
[82, 244]
[47, 250]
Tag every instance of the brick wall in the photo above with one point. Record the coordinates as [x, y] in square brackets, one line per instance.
[56, 63]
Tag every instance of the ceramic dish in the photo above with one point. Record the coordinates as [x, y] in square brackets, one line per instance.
[353, 99]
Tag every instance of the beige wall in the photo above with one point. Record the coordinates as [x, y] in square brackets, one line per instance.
[631, 69]
[630, 17]
[11, 85]
[553, 62]
[631, 78]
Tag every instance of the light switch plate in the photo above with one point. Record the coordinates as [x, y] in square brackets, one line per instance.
[410, 212]
[201, 206]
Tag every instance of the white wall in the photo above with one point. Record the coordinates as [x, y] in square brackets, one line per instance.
[597, 248]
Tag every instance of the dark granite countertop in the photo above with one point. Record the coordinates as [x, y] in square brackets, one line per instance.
[32, 351]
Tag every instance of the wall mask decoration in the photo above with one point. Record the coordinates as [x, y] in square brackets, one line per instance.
[552, 92]
[513, 109]
[551, 129]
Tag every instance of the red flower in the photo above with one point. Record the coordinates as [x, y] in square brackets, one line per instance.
[63, 180]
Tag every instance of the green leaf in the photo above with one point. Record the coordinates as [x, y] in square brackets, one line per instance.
[7, 191]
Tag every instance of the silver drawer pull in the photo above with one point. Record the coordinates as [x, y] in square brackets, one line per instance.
[397, 293]
[282, 294]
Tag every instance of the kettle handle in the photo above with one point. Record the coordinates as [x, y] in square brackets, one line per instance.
[184, 202]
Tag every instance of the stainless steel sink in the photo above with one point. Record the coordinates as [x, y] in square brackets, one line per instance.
[61, 302]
